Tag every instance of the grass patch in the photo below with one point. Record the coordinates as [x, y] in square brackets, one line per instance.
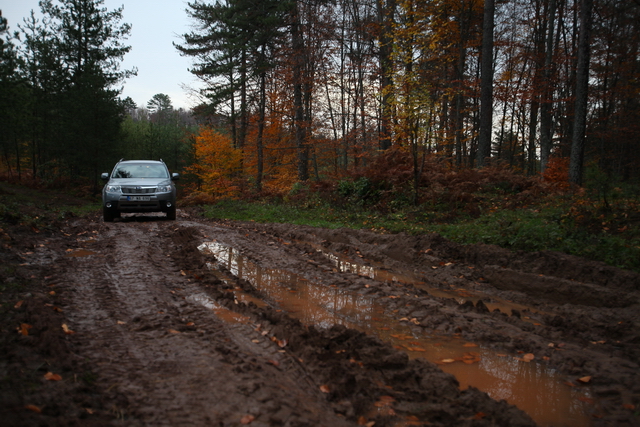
[573, 226]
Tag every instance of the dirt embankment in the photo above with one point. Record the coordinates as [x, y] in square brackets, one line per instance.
[154, 335]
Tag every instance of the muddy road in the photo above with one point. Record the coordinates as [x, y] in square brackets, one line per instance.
[151, 322]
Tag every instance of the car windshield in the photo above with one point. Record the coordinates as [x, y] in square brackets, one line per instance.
[140, 170]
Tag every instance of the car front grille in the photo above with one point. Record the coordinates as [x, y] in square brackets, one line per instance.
[138, 190]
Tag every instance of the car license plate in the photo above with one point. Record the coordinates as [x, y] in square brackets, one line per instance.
[138, 198]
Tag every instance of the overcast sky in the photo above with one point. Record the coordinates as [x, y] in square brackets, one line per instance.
[155, 25]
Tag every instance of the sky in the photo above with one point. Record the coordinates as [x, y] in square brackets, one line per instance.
[156, 24]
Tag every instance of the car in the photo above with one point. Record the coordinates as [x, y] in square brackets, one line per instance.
[139, 186]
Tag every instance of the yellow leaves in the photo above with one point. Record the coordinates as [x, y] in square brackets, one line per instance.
[467, 358]
[247, 419]
[362, 421]
[217, 161]
[50, 376]
[66, 329]
[584, 380]
[24, 329]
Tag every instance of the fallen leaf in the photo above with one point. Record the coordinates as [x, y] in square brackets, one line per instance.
[325, 388]
[50, 376]
[448, 360]
[120, 322]
[479, 415]
[384, 401]
[585, 380]
[247, 419]
[18, 304]
[24, 329]
[469, 344]
[528, 357]
[52, 293]
[89, 410]
[66, 329]
[629, 406]
[190, 324]
[33, 408]
[173, 331]
[274, 362]
[282, 343]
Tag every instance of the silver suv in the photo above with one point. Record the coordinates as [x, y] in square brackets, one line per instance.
[139, 186]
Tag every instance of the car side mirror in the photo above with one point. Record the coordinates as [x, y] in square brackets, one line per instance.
[105, 176]
[175, 176]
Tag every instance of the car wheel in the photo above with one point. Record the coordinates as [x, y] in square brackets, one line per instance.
[107, 215]
[171, 213]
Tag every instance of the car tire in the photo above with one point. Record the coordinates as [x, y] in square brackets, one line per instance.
[171, 213]
[107, 215]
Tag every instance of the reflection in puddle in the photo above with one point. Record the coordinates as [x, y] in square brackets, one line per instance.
[380, 274]
[223, 313]
[532, 387]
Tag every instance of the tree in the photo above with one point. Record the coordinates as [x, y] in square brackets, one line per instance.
[486, 95]
[13, 102]
[582, 86]
[159, 103]
[72, 61]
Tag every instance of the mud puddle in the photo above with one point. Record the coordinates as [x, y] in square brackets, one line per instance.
[381, 274]
[532, 387]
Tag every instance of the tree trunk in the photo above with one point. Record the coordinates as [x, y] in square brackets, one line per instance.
[259, 142]
[486, 86]
[298, 102]
[546, 139]
[385, 15]
[582, 86]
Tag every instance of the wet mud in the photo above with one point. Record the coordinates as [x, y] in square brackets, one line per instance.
[199, 322]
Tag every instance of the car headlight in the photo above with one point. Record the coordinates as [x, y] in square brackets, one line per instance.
[164, 189]
[114, 189]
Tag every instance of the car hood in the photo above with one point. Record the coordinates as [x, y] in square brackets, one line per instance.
[139, 182]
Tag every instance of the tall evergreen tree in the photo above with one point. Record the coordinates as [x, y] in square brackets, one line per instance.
[13, 102]
[73, 57]
[234, 47]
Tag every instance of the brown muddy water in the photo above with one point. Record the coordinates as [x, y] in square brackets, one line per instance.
[532, 387]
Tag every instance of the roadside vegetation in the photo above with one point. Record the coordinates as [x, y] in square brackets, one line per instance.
[600, 221]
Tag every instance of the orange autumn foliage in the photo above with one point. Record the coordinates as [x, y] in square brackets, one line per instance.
[217, 163]
[557, 172]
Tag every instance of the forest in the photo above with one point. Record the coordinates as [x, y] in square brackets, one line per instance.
[309, 90]
[383, 104]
